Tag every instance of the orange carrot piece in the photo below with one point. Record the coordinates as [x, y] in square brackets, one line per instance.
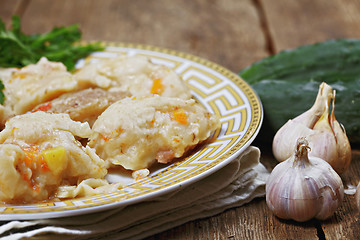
[157, 87]
[180, 116]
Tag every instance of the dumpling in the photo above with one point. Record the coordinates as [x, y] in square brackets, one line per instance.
[40, 152]
[36, 83]
[136, 74]
[134, 133]
[85, 105]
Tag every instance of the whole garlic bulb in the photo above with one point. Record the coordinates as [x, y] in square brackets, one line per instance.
[304, 187]
[327, 138]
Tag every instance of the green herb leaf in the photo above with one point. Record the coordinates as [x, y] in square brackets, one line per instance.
[2, 96]
[18, 49]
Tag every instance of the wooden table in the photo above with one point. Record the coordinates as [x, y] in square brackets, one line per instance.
[233, 33]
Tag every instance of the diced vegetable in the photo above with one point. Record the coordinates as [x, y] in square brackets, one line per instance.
[45, 107]
[55, 158]
[180, 116]
[32, 156]
[157, 87]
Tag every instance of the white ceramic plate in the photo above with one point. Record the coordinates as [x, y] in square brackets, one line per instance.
[219, 90]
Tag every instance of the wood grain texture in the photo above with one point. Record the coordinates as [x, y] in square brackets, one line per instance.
[295, 23]
[10, 8]
[257, 216]
[227, 32]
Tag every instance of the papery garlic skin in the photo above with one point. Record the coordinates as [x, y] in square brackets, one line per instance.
[327, 138]
[343, 144]
[302, 187]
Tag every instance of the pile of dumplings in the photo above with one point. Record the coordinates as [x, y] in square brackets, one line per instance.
[62, 131]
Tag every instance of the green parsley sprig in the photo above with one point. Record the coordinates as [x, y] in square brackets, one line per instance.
[2, 95]
[59, 45]
[18, 49]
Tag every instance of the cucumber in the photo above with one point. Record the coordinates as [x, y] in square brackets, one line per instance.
[287, 83]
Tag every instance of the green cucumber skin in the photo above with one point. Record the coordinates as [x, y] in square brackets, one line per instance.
[287, 83]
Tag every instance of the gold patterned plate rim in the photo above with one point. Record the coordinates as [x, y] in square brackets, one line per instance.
[217, 89]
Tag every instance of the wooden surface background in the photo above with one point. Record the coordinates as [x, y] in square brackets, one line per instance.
[232, 33]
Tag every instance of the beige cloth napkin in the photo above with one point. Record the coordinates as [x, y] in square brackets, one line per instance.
[234, 185]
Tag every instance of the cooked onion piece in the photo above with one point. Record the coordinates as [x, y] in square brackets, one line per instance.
[136, 132]
[135, 74]
[85, 105]
[40, 153]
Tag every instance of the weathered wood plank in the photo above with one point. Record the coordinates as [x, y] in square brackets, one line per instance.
[9, 8]
[251, 221]
[294, 23]
[257, 222]
[226, 32]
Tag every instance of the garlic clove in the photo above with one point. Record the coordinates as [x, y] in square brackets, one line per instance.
[323, 145]
[311, 116]
[292, 200]
[327, 137]
[301, 126]
[303, 187]
[322, 140]
[331, 198]
[343, 146]
[285, 139]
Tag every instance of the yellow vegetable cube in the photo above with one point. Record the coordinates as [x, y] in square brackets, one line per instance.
[55, 159]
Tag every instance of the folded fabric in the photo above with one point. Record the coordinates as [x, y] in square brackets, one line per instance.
[232, 186]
